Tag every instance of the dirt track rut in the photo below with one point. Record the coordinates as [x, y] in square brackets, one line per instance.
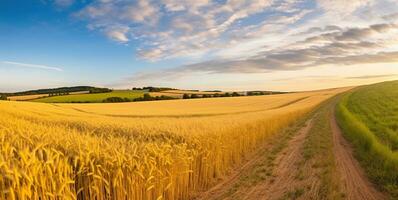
[354, 183]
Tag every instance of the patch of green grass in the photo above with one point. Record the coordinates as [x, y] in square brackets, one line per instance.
[376, 106]
[91, 98]
[368, 117]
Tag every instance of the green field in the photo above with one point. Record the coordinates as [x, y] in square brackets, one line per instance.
[91, 98]
[369, 118]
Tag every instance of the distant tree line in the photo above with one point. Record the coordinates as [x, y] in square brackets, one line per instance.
[153, 89]
[227, 94]
[58, 94]
[146, 97]
[256, 93]
[3, 97]
[98, 90]
[116, 100]
[61, 90]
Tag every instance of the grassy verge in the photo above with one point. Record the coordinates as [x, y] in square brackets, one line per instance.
[91, 98]
[319, 156]
[379, 161]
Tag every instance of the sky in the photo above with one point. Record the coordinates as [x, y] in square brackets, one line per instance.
[287, 45]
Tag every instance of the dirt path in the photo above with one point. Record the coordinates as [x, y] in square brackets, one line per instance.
[281, 171]
[314, 162]
[261, 164]
[354, 183]
[285, 171]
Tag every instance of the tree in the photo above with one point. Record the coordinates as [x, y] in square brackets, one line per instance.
[227, 95]
[193, 96]
[147, 97]
[235, 94]
[186, 96]
[114, 100]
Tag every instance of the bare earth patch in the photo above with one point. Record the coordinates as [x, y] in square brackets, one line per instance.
[286, 170]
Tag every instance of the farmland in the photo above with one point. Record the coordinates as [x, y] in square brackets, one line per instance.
[27, 97]
[146, 150]
[198, 100]
[180, 93]
[369, 119]
[91, 98]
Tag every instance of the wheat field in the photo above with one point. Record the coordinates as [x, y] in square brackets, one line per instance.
[27, 97]
[147, 150]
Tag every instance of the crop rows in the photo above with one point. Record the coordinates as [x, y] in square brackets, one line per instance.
[53, 151]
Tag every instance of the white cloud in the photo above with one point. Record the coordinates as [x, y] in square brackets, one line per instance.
[343, 7]
[118, 34]
[348, 46]
[142, 11]
[180, 5]
[45, 67]
[192, 27]
[236, 36]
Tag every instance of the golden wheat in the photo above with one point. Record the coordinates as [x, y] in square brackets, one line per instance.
[27, 97]
[148, 150]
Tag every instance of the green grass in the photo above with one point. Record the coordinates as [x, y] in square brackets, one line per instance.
[91, 98]
[368, 117]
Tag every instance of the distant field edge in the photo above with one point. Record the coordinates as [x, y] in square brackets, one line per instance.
[378, 159]
[91, 98]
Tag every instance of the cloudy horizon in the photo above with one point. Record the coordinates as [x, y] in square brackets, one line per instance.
[200, 44]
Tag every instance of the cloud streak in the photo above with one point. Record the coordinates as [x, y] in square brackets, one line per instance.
[35, 66]
[350, 46]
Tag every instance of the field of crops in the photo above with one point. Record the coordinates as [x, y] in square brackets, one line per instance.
[27, 97]
[369, 118]
[147, 150]
[91, 98]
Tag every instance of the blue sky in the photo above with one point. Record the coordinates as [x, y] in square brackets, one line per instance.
[200, 44]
